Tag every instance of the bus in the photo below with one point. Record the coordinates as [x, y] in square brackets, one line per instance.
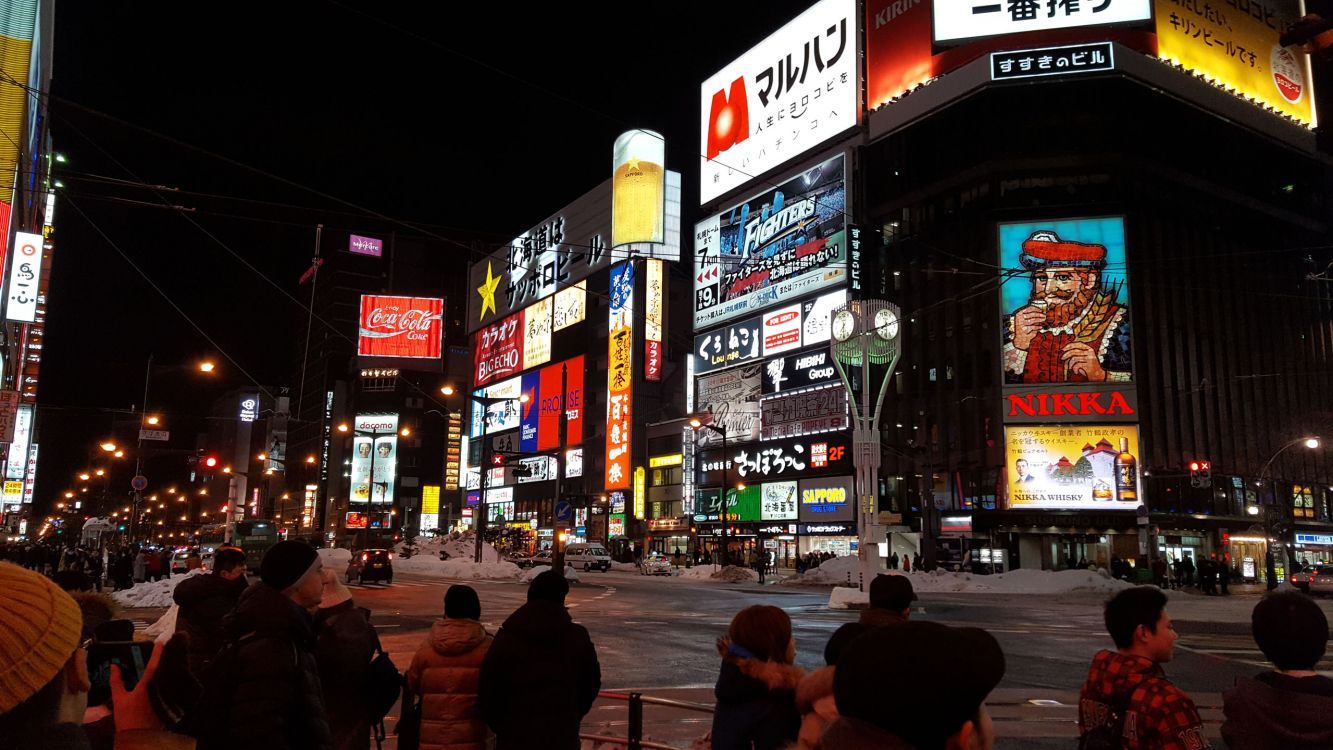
[252, 537]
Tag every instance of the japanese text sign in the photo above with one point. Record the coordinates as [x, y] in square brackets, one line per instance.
[653, 319]
[791, 92]
[620, 376]
[830, 499]
[956, 20]
[497, 350]
[778, 245]
[730, 345]
[731, 397]
[778, 501]
[810, 367]
[365, 245]
[1072, 466]
[23, 278]
[1051, 61]
[805, 412]
[400, 327]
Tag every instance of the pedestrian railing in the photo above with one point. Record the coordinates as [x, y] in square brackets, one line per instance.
[634, 727]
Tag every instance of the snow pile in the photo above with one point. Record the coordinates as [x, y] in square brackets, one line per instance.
[152, 594]
[570, 574]
[459, 568]
[729, 574]
[165, 627]
[463, 547]
[1014, 582]
[840, 571]
[625, 567]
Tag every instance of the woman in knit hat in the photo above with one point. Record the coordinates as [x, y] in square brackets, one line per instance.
[446, 671]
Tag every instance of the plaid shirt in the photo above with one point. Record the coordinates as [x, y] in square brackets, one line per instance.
[1158, 716]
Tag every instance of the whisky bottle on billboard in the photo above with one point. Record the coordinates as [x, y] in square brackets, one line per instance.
[1126, 474]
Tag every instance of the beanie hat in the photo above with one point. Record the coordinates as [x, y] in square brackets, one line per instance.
[548, 586]
[892, 592]
[1045, 249]
[335, 592]
[39, 632]
[286, 563]
[461, 603]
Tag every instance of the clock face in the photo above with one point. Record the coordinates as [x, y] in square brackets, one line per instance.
[886, 324]
[844, 325]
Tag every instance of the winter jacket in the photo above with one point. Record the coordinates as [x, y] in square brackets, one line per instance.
[538, 680]
[345, 643]
[277, 703]
[1158, 715]
[814, 699]
[875, 617]
[756, 705]
[1276, 712]
[204, 600]
[446, 672]
[854, 734]
[140, 567]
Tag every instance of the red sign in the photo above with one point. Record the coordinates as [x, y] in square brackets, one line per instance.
[898, 48]
[1110, 404]
[401, 327]
[357, 520]
[652, 364]
[498, 350]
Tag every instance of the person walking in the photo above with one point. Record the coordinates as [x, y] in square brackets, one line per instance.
[541, 675]
[907, 563]
[269, 694]
[152, 566]
[345, 644]
[204, 600]
[446, 674]
[1187, 570]
[916, 560]
[756, 685]
[1127, 697]
[165, 562]
[140, 566]
[1290, 707]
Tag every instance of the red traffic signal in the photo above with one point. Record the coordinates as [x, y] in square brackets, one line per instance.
[225, 507]
[1194, 466]
[210, 462]
[498, 459]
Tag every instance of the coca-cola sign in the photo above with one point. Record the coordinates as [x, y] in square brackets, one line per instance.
[400, 327]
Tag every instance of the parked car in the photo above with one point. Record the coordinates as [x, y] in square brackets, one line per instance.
[371, 565]
[521, 559]
[543, 557]
[1316, 579]
[655, 564]
[581, 556]
[178, 561]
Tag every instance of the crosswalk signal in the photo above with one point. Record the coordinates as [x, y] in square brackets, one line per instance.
[1201, 474]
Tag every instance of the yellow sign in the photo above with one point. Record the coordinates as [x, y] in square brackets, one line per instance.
[638, 188]
[657, 462]
[640, 491]
[1239, 50]
[430, 499]
[13, 489]
[1093, 467]
[487, 292]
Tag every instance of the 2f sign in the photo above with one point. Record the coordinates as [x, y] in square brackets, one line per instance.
[24, 276]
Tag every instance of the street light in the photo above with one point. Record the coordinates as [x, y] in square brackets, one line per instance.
[1270, 567]
[109, 446]
[154, 421]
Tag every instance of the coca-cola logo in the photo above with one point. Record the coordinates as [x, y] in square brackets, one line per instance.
[385, 322]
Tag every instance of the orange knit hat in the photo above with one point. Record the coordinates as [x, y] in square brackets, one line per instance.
[39, 631]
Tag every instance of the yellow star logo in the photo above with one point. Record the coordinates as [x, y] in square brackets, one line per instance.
[487, 292]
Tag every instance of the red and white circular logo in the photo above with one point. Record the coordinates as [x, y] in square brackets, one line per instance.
[1288, 75]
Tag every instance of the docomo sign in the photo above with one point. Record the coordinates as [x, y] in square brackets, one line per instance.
[400, 327]
[23, 277]
[789, 93]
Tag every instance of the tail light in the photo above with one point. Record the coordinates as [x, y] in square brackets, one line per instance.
[390, 555]
[365, 556]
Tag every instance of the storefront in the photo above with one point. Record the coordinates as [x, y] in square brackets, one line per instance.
[669, 536]
[779, 541]
[838, 539]
[1313, 549]
[1248, 552]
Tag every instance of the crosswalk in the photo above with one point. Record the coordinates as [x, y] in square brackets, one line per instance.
[1240, 649]
[396, 584]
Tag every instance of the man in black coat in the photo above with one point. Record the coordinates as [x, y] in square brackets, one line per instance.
[271, 696]
[204, 600]
[541, 675]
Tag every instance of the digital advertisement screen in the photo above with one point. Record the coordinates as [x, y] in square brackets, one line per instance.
[374, 444]
[1091, 467]
[401, 327]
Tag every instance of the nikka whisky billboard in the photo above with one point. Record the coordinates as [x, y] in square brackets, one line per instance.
[1092, 467]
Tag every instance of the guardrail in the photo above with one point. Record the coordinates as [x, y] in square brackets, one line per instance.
[634, 727]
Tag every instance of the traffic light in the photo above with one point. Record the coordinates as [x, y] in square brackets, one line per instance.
[210, 462]
[1201, 474]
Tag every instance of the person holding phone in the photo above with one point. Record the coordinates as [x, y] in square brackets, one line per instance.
[44, 675]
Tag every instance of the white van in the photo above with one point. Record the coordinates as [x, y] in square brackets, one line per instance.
[592, 556]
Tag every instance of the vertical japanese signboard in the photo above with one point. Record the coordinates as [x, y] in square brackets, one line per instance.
[23, 278]
[620, 376]
[571, 306]
[453, 451]
[430, 507]
[1237, 45]
[17, 465]
[30, 480]
[537, 333]
[653, 319]
[640, 492]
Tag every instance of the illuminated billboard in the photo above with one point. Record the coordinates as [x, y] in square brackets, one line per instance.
[500, 415]
[1065, 302]
[497, 350]
[374, 458]
[1091, 467]
[808, 411]
[778, 501]
[24, 278]
[365, 245]
[742, 505]
[537, 334]
[570, 306]
[731, 398]
[638, 188]
[400, 327]
[957, 20]
[541, 412]
[1240, 50]
[620, 376]
[653, 319]
[791, 92]
[898, 49]
[734, 344]
[779, 244]
[824, 500]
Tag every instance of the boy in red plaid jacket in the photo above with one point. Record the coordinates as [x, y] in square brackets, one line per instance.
[1129, 684]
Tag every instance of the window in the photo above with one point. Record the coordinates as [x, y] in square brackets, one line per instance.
[1302, 502]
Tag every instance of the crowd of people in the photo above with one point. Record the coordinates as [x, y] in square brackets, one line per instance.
[290, 661]
[85, 568]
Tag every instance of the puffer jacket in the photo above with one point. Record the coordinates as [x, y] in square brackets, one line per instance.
[446, 672]
[814, 699]
[756, 705]
[1158, 715]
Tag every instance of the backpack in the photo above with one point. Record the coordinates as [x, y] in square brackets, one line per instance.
[210, 718]
[383, 683]
[1110, 734]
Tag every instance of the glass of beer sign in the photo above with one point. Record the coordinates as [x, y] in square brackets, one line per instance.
[638, 188]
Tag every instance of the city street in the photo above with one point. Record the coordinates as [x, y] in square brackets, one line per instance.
[656, 635]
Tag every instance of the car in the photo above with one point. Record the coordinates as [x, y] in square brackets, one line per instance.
[521, 559]
[655, 564]
[1315, 579]
[541, 558]
[587, 556]
[371, 565]
[178, 564]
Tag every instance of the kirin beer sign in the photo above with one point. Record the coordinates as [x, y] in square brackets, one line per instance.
[400, 327]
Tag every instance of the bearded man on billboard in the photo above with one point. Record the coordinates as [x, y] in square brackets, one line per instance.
[1072, 329]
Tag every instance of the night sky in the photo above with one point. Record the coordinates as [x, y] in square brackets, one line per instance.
[483, 120]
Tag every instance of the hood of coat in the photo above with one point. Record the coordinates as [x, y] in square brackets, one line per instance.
[1290, 718]
[814, 686]
[97, 608]
[451, 637]
[743, 680]
[264, 609]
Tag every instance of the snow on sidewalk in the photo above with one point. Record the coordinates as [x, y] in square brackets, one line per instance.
[729, 574]
[460, 568]
[1013, 582]
[152, 593]
[839, 571]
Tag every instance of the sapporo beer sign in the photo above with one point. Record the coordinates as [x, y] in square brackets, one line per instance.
[400, 327]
